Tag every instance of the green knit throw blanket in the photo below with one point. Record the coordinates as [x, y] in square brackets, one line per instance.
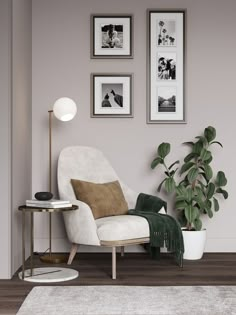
[165, 231]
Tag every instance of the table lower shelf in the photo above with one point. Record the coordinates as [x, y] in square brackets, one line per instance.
[49, 274]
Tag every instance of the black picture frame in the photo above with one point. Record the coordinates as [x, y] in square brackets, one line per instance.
[104, 102]
[120, 46]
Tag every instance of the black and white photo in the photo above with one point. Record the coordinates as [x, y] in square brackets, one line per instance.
[166, 66]
[111, 95]
[166, 32]
[111, 36]
[166, 99]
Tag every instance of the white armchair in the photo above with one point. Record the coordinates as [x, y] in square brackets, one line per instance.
[89, 164]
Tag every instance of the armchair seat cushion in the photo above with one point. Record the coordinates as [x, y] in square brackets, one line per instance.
[122, 227]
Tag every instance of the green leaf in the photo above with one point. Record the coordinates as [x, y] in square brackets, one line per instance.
[208, 204]
[190, 156]
[210, 190]
[159, 187]
[163, 149]
[180, 204]
[210, 133]
[181, 190]
[173, 172]
[209, 160]
[197, 224]
[181, 198]
[186, 167]
[209, 212]
[208, 171]
[156, 161]
[191, 213]
[202, 185]
[221, 180]
[189, 143]
[205, 155]
[223, 192]
[170, 167]
[170, 185]
[203, 139]
[204, 176]
[217, 142]
[199, 203]
[189, 194]
[216, 204]
[193, 174]
[199, 191]
[207, 208]
[197, 148]
[184, 182]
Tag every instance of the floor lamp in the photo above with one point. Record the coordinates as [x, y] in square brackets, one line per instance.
[64, 109]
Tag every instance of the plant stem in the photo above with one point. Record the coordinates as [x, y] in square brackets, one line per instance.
[166, 168]
[189, 226]
[194, 183]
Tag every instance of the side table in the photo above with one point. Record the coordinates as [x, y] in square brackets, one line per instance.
[44, 274]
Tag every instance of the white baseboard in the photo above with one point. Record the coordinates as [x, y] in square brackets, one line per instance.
[220, 245]
[223, 245]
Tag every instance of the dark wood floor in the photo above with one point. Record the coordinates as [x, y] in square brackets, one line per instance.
[132, 269]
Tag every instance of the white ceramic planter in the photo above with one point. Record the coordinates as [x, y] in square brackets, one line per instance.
[194, 244]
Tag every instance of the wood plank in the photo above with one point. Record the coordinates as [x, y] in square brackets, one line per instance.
[133, 269]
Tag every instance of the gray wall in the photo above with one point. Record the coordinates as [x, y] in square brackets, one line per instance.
[62, 67]
[15, 127]
[21, 119]
[5, 138]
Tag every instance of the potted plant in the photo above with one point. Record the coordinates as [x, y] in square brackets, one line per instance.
[196, 188]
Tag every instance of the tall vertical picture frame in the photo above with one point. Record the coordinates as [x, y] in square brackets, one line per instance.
[166, 66]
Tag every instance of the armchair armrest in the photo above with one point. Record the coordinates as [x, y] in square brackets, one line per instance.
[80, 225]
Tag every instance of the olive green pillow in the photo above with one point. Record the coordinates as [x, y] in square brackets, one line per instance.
[104, 199]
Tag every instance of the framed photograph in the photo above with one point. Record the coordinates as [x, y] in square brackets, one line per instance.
[111, 95]
[166, 66]
[111, 36]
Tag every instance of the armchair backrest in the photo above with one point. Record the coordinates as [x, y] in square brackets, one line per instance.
[84, 163]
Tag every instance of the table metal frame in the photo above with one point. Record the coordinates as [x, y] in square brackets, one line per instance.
[25, 209]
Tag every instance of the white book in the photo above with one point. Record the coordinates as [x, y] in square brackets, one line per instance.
[48, 202]
[36, 205]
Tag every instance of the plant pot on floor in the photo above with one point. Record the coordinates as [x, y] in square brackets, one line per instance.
[194, 244]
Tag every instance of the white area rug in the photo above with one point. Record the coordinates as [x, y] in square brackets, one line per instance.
[128, 300]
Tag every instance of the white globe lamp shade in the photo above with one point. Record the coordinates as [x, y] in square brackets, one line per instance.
[64, 109]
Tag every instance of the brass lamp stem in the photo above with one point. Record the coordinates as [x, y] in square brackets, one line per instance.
[52, 257]
[50, 150]
[50, 178]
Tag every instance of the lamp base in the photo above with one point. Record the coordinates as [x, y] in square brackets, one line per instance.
[54, 258]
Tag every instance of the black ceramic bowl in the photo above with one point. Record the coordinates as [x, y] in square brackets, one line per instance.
[43, 195]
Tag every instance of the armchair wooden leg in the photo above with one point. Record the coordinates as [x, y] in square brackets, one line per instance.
[122, 251]
[114, 263]
[73, 252]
